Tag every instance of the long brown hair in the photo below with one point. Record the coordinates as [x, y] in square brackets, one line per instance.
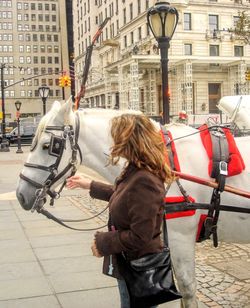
[137, 140]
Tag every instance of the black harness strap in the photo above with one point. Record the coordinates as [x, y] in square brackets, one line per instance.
[219, 172]
[186, 206]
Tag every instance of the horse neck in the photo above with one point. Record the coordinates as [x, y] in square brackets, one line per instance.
[95, 145]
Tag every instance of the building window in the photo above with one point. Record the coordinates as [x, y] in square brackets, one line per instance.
[188, 49]
[213, 22]
[124, 16]
[187, 21]
[235, 20]
[19, 5]
[147, 4]
[214, 50]
[139, 6]
[33, 6]
[125, 41]
[131, 11]
[132, 37]
[139, 33]
[53, 7]
[238, 51]
[40, 6]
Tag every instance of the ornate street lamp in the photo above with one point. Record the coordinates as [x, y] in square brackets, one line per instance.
[18, 105]
[162, 20]
[44, 93]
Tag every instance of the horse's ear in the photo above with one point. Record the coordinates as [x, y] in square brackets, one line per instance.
[65, 113]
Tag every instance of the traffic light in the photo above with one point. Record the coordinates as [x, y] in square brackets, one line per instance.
[61, 82]
[247, 75]
[67, 81]
[64, 81]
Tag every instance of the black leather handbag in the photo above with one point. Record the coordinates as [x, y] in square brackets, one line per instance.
[149, 279]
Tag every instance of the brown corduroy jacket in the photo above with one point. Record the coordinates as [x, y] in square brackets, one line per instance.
[136, 209]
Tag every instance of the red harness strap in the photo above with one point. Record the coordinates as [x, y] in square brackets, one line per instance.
[168, 139]
[178, 199]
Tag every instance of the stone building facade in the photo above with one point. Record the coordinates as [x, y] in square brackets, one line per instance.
[206, 61]
[33, 52]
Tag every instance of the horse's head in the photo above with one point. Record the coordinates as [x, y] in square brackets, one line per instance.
[52, 157]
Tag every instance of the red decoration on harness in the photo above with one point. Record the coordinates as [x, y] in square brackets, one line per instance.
[173, 149]
[179, 199]
[236, 164]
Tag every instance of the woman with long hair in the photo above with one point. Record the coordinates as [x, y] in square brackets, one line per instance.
[136, 198]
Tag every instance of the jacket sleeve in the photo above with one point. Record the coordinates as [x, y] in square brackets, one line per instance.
[101, 191]
[144, 204]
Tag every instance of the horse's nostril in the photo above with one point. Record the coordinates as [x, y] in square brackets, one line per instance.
[21, 198]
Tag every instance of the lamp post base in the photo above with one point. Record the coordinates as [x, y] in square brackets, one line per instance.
[4, 146]
[19, 151]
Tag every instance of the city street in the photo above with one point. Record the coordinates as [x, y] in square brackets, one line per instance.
[43, 264]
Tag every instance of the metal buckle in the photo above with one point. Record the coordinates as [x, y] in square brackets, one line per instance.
[223, 168]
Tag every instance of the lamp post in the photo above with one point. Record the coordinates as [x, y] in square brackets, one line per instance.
[4, 147]
[162, 20]
[44, 93]
[18, 105]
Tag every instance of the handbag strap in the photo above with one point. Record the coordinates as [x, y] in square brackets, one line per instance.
[165, 230]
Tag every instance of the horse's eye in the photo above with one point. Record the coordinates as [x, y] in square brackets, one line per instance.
[45, 146]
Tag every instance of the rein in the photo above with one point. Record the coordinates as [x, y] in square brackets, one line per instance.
[56, 148]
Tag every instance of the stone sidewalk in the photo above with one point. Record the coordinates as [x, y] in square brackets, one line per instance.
[43, 264]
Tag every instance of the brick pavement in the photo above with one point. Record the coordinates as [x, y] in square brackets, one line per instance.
[42, 264]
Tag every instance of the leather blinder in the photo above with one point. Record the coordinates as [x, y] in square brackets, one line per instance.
[56, 146]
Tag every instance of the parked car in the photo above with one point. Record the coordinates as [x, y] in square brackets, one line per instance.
[27, 133]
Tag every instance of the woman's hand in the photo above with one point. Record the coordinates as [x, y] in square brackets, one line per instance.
[77, 181]
[95, 251]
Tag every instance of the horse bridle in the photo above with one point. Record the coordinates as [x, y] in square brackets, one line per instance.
[56, 147]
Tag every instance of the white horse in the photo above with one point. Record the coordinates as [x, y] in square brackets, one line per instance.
[237, 109]
[94, 143]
